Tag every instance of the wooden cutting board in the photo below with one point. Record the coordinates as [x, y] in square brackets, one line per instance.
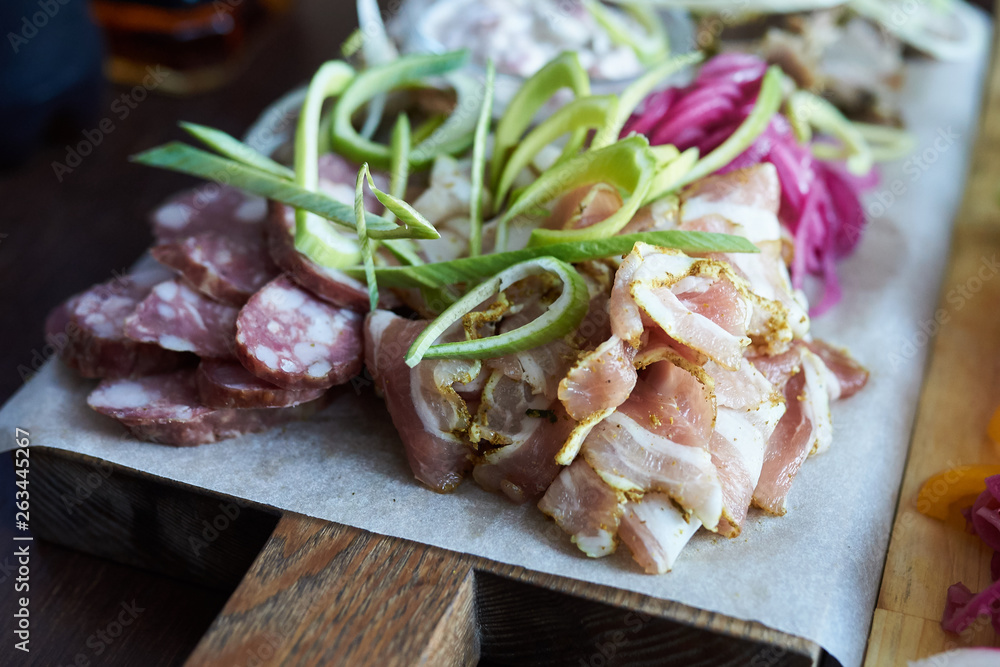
[960, 393]
[310, 592]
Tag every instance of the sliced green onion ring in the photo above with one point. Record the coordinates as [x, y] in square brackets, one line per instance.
[479, 164]
[454, 134]
[649, 48]
[366, 248]
[186, 159]
[577, 117]
[768, 101]
[399, 176]
[561, 317]
[563, 71]
[886, 143]
[637, 91]
[827, 118]
[326, 246]
[469, 270]
[669, 178]
[231, 147]
[627, 164]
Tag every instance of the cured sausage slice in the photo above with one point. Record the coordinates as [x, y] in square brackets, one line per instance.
[228, 269]
[226, 384]
[165, 409]
[89, 331]
[330, 285]
[290, 338]
[176, 317]
[209, 208]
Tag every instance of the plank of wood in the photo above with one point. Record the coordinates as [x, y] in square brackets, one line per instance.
[322, 593]
[961, 391]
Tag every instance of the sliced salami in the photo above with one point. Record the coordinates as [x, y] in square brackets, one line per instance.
[165, 409]
[89, 331]
[209, 208]
[290, 338]
[226, 384]
[176, 317]
[226, 268]
[332, 286]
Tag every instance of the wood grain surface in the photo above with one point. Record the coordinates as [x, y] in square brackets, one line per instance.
[961, 391]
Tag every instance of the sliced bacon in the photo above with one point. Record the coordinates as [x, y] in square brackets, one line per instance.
[699, 303]
[803, 429]
[528, 428]
[176, 317]
[673, 402]
[749, 410]
[428, 413]
[749, 198]
[658, 216]
[630, 457]
[584, 206]
[584, 506]
[851, 376]
[602, 379]
[779, 312]
[655, 531]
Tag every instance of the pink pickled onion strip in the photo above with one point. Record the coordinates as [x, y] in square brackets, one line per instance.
[826, 226]
[962, 607]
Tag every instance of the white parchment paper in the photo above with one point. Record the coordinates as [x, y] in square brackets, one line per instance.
[813, 573]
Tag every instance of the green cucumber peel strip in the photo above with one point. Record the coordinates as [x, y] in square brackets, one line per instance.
[576, 118]
[363, 241]
[768, 101]
[231, 147]
[471, 270]
[186, 159]
[479, 164]
[562, 316]
[312, 238]
[637, 91]
[669, 177]
[563, 71]
[452, 136]
[628, 164]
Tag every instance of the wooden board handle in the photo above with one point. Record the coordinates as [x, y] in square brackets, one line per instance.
[321, 593]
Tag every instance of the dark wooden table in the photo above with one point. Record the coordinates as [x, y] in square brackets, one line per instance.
[59, 237]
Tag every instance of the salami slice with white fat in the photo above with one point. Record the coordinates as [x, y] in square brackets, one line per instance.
[89, 330]
[331, 285]
[288, 337]
[226, 268]
[209, 208]
[166, 409]
[176, 317]
[226, 384]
